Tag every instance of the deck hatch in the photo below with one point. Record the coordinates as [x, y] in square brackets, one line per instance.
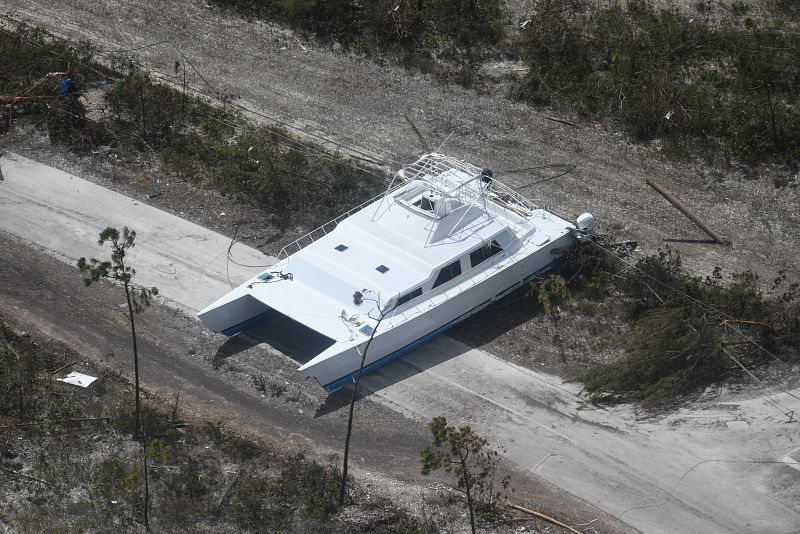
[341, 248]
[366, 330]
[382, 269]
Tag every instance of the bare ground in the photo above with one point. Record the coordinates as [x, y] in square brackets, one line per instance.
[362, 105]
[215, 382]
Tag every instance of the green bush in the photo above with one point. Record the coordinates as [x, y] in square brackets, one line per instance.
[687, 332]
[416, 31]
[303, 493]
[22, 395]
[733, 90]
[27, 60]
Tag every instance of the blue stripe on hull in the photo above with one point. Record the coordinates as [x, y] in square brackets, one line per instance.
[343, 381]
[245, 324]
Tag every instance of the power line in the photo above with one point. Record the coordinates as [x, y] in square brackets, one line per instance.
[689, 297]
[571, 167]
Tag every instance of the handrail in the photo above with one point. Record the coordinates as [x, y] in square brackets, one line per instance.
[297, 243]
[437, 167]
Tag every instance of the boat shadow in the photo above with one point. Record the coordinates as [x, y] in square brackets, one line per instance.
[480, 329]
[431, 354]
[514, 310]
[278, 331]
[302, 344]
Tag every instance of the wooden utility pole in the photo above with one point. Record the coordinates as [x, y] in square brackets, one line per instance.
[683, 209]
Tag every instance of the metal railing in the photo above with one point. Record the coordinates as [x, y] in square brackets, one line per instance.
[437, 171]
[321, 231]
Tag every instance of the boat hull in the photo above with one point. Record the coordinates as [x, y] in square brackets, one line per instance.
[401, 332]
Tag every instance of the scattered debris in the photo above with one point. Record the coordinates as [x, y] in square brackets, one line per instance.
[70, 364]
[562, 121]
[26, 477]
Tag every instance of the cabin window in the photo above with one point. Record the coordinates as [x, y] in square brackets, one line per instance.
[408, 296]
[341, 248]
[482, 254]
[381, 269]
[447, 273]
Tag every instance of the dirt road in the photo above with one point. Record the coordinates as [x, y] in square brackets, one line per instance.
[660, 476]
[364, 105]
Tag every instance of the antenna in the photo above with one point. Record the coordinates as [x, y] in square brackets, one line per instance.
[445, 141]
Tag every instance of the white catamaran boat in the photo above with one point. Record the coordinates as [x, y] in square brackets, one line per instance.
[443, 242]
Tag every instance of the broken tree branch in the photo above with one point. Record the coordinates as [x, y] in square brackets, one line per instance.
[742, 321]
[562, 121]
[416, 131]
[63, 367]
[28, 477]
[542, 517]
[55, 421]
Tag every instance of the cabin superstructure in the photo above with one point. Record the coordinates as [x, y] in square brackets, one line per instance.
[445, 240]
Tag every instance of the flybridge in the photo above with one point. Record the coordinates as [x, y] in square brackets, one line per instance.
[444, 241]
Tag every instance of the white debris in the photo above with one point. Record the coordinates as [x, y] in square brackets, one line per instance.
[78, 379]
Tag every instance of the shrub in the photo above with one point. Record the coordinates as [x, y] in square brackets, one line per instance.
[302, 492]
[22, 394]
[736, 90]
[687, 333]
[416, 31]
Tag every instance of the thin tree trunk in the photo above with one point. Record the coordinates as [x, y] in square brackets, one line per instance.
[137, 430]
[183, 95]
[467, 488]
[137, 424]
[343, 487]
[141, 100]
[146, 489]
[768, 91]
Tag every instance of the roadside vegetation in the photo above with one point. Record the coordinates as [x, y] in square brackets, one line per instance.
[447, 37]
[724, 86]
[68, 464]
[683, 332]
[732, 88]
[296, 183]
[472, 462]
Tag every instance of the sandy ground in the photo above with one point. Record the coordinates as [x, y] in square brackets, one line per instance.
[363, 106]
[659, 475]
[238, 381]
[656, 474]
